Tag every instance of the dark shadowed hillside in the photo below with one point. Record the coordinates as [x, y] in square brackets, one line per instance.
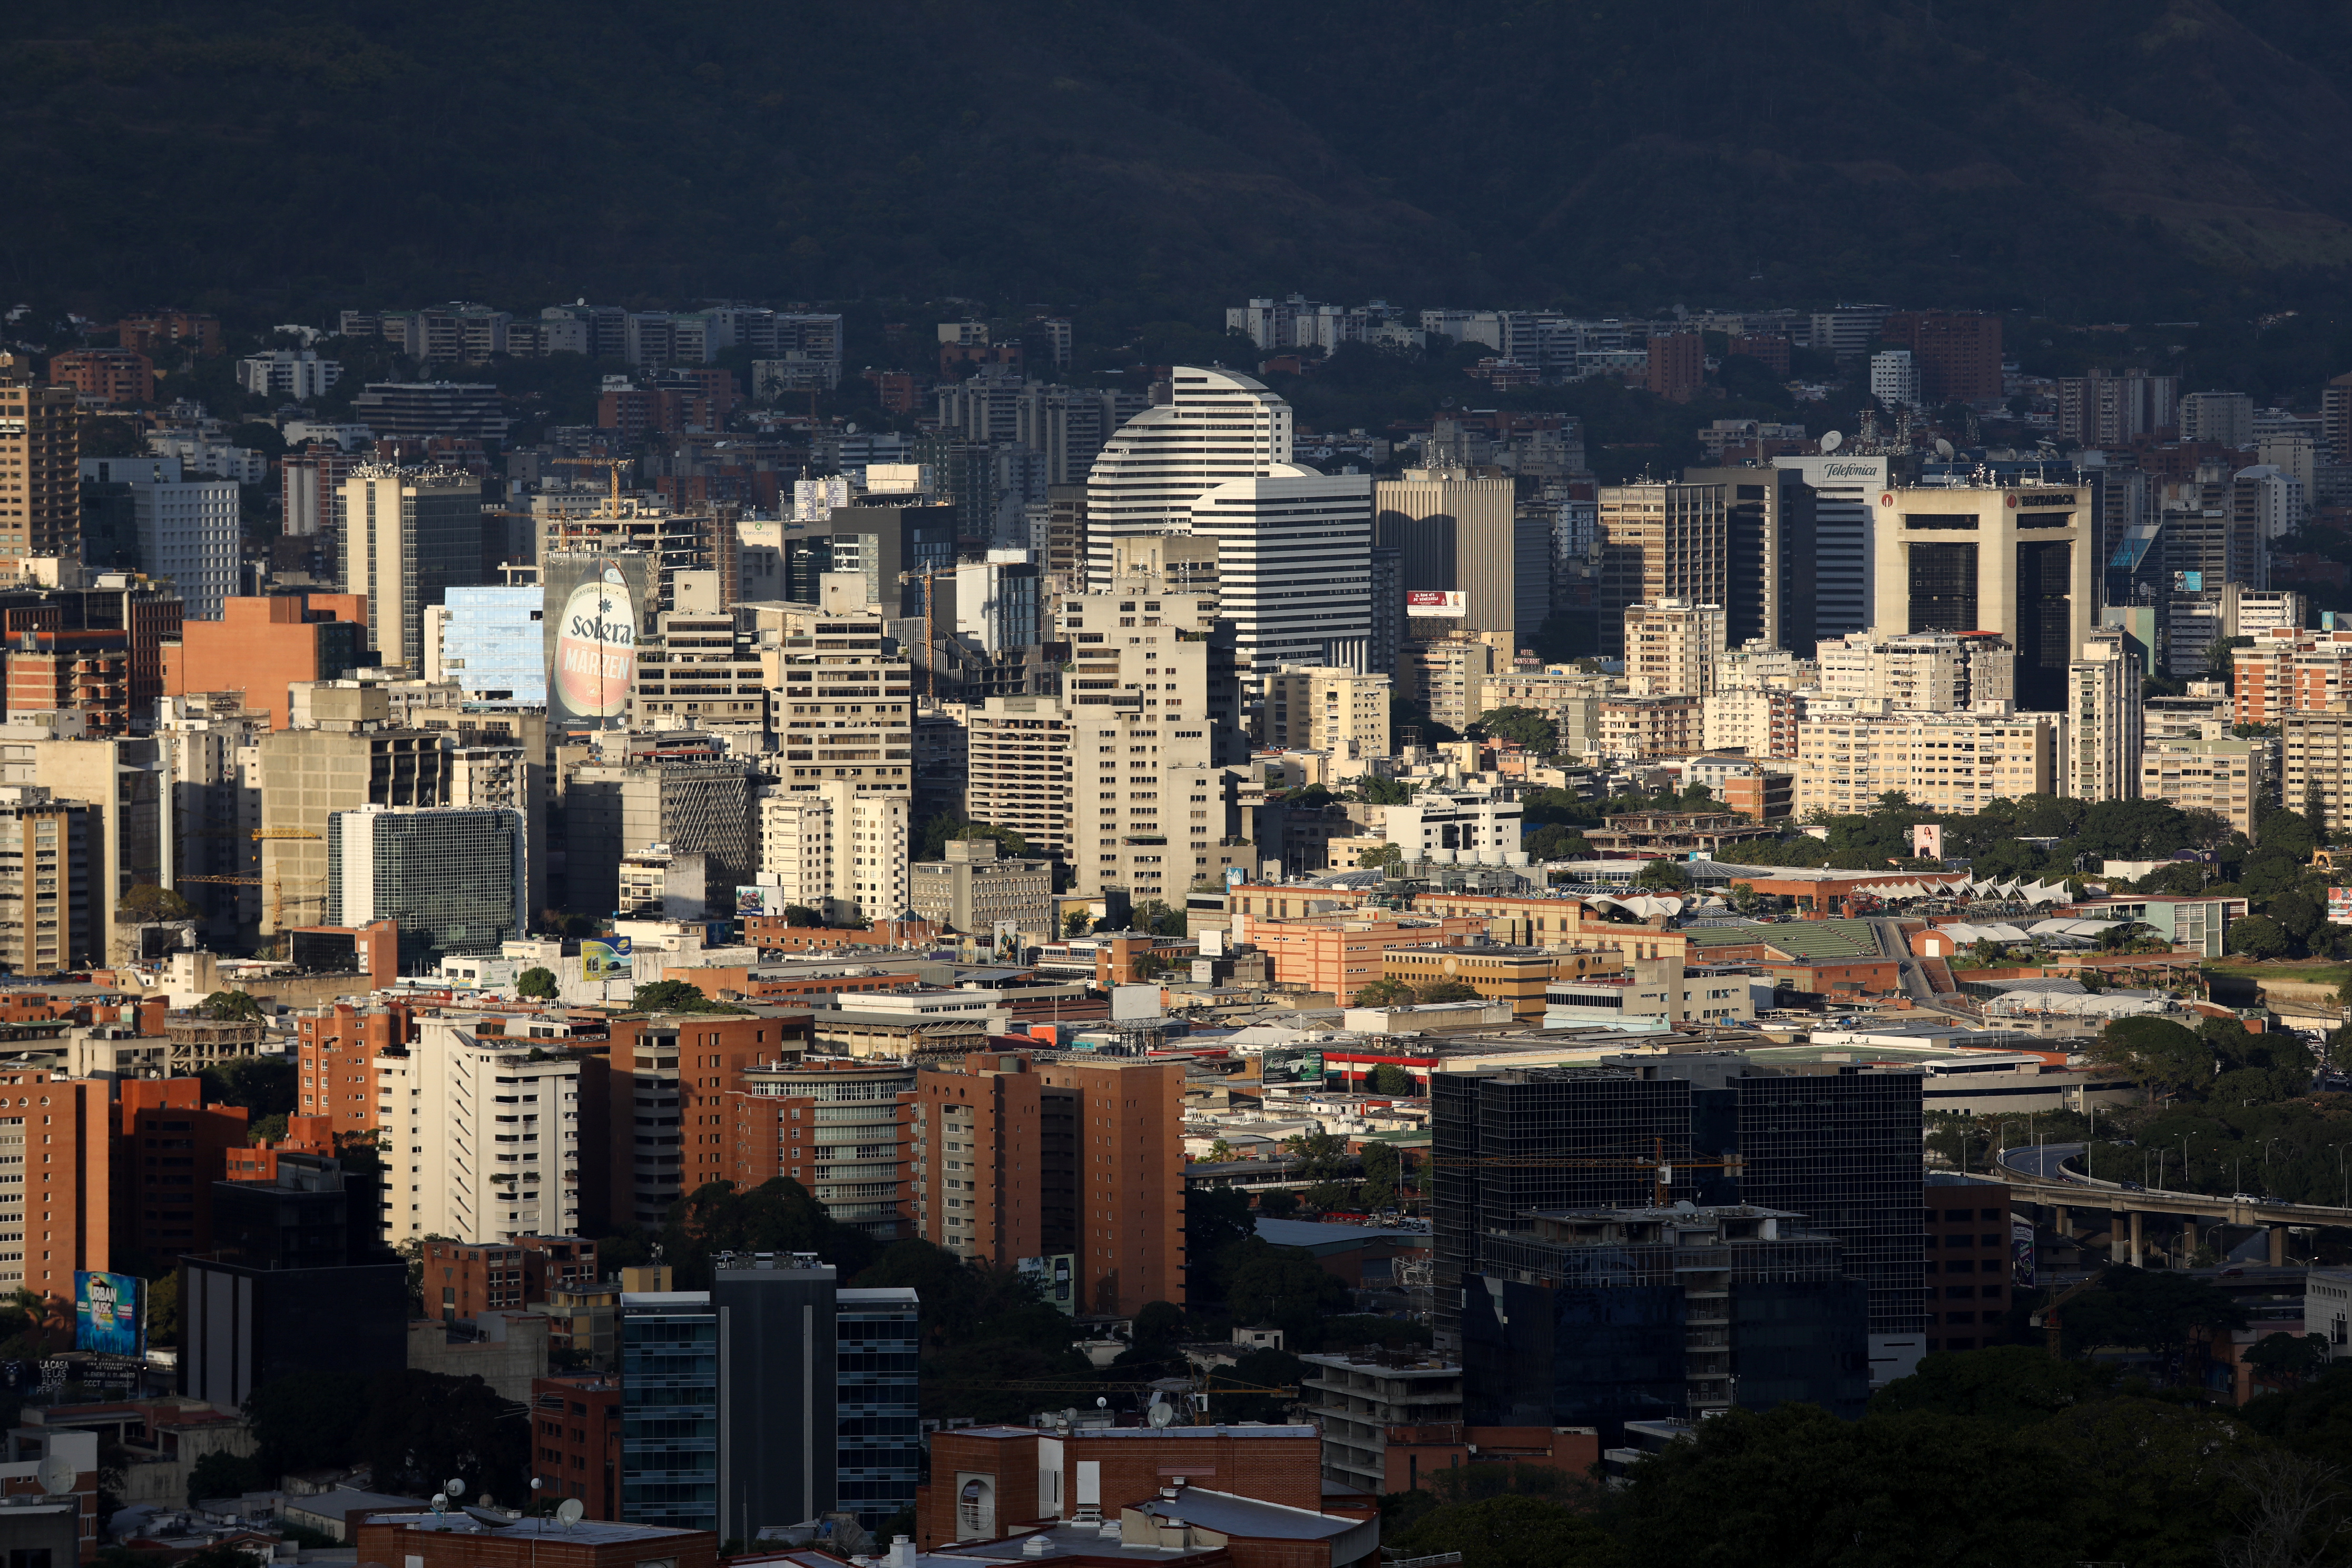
[2092, 157]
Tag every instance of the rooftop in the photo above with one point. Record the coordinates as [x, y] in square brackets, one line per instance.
[484, 1521]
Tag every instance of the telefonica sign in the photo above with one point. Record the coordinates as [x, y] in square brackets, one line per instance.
[1852, 471]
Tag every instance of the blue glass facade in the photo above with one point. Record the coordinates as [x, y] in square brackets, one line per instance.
[669, 1417]
[495, 643]
[879, 1458]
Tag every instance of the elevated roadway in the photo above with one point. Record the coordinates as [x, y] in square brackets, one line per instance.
[2040, 1174]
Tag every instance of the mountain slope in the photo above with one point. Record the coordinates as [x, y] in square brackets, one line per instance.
[2098, 156]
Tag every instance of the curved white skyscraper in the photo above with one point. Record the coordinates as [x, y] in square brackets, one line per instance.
[1222, 426]
[1294, 546]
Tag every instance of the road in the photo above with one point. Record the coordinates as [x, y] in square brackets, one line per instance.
[2041, 1161]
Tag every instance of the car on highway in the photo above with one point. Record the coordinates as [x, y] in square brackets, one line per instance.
[2247, 1198]
[2131, 1186]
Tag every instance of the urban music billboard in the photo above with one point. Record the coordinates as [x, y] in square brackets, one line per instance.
[598, 605]
[109, 1313]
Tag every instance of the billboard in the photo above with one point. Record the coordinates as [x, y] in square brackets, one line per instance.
[606, 960]
[753, 902]
[2020, 1248]
[598, 605]
[2339, 906]
[110, 1314]
[1427, 602]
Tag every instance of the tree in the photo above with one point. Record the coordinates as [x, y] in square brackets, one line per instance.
[1075, 922]
[1320, 1156]
[1381, 854]
[1512, 1531]
[221, 1474]
[311, 1418]
[1665, 874]
[2153, 1310]
[1383, 1170]
[537, 983]
[778, 1216]
[1392, 1079]
[675, 996]
[2289, 1360]
[1284, 1286]
[264, 1086]
[226, 1006]
[2161, 1055]
[2010, 1386]
[1524, 726]
[1382, 992]
[2295, 1513]
[1384, 792]
[1446, 991]
[147, 902]
[1214, 1218]
[1158, 1322]
[802, 916]
[2257, 936]
[422, 1427]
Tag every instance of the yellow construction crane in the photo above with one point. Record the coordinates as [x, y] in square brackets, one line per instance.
[277, 886]
[614, 465]
[926, 576]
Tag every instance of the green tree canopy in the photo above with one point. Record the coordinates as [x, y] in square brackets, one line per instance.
[1523, 726]
[778, 1216]
[1665, 874]
[229, 1005]
[147, 902]
[537, 983]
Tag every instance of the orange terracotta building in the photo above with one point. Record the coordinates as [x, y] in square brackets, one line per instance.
[105, 375]
[168, 1150]
[1023, 1476]
[335, 1055]
[1341, 953]
[61, 1130]
[262, 647]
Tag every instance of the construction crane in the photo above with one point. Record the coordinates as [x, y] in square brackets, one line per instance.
[614, 465]
[926, 576]
[1660, 1163]
[2048, 1317]
[277, 886]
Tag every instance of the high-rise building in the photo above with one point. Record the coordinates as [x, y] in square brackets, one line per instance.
[469, 411]
[2335, 418]
[2205, 538]
[1217, 426]
[775, 1394]
[480, 1141]
[1677, 367]
[40, 454]
[260, 648]
[1770, 515]
[2225, 418]
[997, 603]
[1327, 708]
[46, 882]
[492, 642]
[1660, 540]
[453, 877]
[1754, 720]
[1447, 675]
[1844, 488]
[1066, 536]
[182, 529]
[1454, 534]
[1294, 565]
[1017, 1158]
[1671, 648]
[841, 1127]
[1894, 378]
[871, 835]
[699, 670]
[1957, 354]
[2233, 778]
[2107, 408]
[1842, 1151]
[2011, 560]
[841, 693]
[795, 843]
[352, 758]
[2103, 723]
[1018, 771]
[410, 535]
[616, 808]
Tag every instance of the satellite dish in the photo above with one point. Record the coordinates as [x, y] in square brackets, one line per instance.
[1943, 447]
[1160, 1415]
[1100, 1403]
[455, 1489]
[59, 1474]
[568, 1511]
[440, 1502]
[1832, 441]
[537, 1482]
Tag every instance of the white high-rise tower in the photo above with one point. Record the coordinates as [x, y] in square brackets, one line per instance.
[1222, 426]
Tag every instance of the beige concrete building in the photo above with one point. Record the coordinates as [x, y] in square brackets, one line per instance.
[2016, 560]
[352, 758]
[842, 696]
[1671, 648]
[1945, 761]
[1447, 675]
[1327, 708]
[1570, 700]
[1454, 534]
[1758, 664]
[119, 782]
[1017, 770]
[408, 535]
[795, 844]
[1752, 720]
[872, 835]
[40, 468]
[1937, 672]
[1651, 726]
[698, 669]
[976, 892]
[2315, 754]
[1660, 542]
[48, 922]
[2104, 725]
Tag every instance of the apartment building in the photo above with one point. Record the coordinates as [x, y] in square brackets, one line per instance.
[1447, 675]
[1327, 708]
[692, 807]
[1454, 534]
[40, 468]
[871, 835]
[1017, 770]
[1758, 664]
[336, 1051]
[1020, 1158]
[46, 876]
[697, 672]
[409, 536]
[842, 1128]
[2105, 727]
[60, 1219]
[796, 841]
[1671, 648]
[2290, 671]
[2315, 755]
[1651, 726]
[1943, 762]
[486, 1138]
[842, 694]
[1927, 671]
[1752, 720]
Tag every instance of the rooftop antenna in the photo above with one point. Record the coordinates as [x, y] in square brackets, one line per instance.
[1830, 441]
